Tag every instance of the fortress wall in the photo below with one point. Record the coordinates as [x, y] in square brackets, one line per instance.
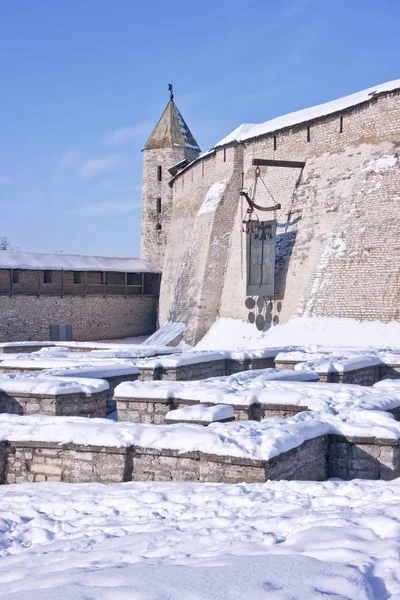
[338, 245]
[196, 255]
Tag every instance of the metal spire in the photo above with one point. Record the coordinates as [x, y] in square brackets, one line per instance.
[171, 91]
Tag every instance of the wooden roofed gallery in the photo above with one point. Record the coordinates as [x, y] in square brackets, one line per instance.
[63, 297]
[62, 274]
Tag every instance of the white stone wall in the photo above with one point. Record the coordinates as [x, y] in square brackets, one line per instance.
[338, 229]
[153, 241]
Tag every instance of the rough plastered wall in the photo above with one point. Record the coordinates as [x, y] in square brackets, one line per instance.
[92, 317]
[203, 212]
[338, 236]
[153, 241]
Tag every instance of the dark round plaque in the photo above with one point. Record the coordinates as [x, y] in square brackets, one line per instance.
[251, 317]
[260, 322]
[250, 303]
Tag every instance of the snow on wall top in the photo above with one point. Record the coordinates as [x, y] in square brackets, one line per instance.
[36, 261]
[251, 130]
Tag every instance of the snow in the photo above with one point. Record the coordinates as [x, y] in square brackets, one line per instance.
[90, 370]
[166, 334]
[182, 541]
[388, 383]
[380, 165]
[25, 383]
[180, 360]
[349, 410]
[247, 439]
[241, 388]
[201, 412]
[338, 364]
[232, 334]
[251, 130]
[213, 197]
[198, 356]
[74, 262]
[99, 368]
[23, 344]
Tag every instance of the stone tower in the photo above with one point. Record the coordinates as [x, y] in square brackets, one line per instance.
[170, 144]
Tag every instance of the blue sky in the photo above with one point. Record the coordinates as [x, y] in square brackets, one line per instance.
[83, 83]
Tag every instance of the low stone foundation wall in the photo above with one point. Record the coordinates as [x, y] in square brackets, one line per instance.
[283, 365]
[204, 370]
[389, 372]
[111, 405]
[236, 366]
[200, 370]
[314, 460]
[365, 376]
[148, 410]
[72, 463]
[363, 458]
[22, 348]
[153, 410]
[38, 461]
[67, 405]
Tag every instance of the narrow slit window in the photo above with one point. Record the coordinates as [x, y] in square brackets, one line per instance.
[202, 169]
[274, 142]
[47, 276]
[224, 154]
[158, 206]
[159, 173]
[242, 180]
[15, 276]
[341, 124]
[308, 134]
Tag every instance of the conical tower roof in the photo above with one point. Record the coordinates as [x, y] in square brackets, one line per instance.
[171, 130]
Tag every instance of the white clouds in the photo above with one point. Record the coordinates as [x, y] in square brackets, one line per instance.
[71, 158]
[5, 181]
[105, 208]
[100, 164]
[118, 137]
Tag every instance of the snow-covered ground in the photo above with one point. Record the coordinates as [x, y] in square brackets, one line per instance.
[168, 541]
[232, 334]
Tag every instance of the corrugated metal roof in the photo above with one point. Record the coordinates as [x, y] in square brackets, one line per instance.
[171, 130]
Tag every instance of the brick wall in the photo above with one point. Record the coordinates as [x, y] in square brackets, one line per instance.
[91, 317]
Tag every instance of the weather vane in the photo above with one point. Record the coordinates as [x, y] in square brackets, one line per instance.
[171, 91]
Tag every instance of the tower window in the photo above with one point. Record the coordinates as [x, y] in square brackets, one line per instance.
[47, 276]
[274, 142]
[15, 276]
[159, 173]
[308, 134]
[202, 169]
[78, 276]
[341, 124]
[224, 154]
[158, 206]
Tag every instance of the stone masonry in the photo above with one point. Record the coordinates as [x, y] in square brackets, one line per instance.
[74, 404]
[92, 317]
[314, 460]
[337, 250]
